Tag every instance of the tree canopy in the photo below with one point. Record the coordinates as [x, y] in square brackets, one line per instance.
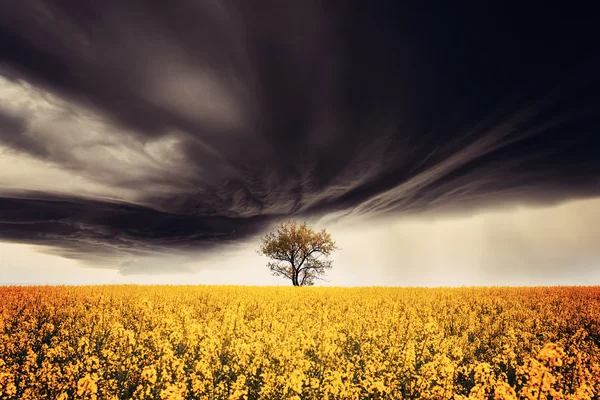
[299, 252]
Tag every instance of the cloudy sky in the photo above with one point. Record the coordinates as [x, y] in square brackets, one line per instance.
[154, 142]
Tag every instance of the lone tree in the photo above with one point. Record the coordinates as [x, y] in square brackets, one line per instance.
[299, 253]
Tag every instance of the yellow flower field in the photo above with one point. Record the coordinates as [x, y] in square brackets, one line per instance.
[202, 342]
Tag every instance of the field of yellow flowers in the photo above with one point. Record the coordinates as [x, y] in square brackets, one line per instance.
[227, 342]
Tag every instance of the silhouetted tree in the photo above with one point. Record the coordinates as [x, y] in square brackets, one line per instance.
[299, 253]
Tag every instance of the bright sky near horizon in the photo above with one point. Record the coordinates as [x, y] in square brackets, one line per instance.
[522, 246]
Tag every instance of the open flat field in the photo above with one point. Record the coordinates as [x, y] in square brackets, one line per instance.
[197, 342]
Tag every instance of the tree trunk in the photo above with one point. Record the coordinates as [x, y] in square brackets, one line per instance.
[295, 276]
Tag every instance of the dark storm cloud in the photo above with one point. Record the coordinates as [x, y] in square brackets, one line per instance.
[263, 109]
[89, 229]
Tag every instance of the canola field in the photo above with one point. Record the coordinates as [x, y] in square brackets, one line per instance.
[220, 342]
